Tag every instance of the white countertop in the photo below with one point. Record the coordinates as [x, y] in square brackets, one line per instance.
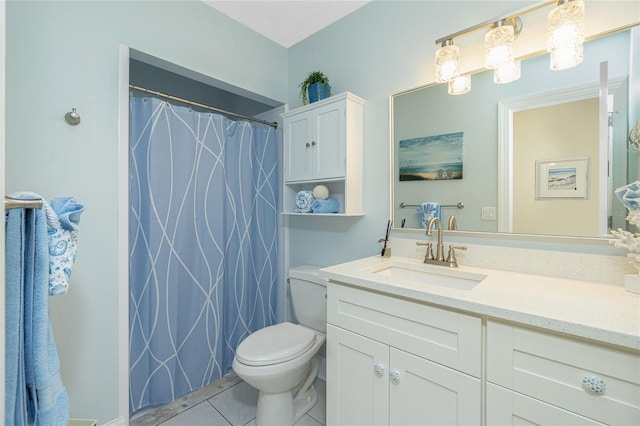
[602, 312]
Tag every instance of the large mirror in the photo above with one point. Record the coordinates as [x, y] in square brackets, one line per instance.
[490, 157]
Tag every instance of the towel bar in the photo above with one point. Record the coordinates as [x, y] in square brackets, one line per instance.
[17, 203]
[460, 205]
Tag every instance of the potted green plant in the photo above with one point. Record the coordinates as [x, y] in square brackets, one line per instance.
[315, 87]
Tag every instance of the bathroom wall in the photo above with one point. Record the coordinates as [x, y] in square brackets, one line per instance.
[383, 48]
[65, 54]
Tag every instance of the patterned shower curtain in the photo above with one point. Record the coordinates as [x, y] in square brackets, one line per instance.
[202, 240]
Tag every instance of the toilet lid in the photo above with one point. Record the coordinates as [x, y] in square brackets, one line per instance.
[275, 344]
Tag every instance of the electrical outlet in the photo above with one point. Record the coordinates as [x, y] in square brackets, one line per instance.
[488, 213]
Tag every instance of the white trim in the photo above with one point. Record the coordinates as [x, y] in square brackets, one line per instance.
[506, 108]
[123, 234]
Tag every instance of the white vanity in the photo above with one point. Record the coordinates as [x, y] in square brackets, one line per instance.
[409, 343]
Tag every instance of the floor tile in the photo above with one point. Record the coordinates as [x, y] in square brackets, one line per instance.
[202, 414]
[237, 404]
[319, 411]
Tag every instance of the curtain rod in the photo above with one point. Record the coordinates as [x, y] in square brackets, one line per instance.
[186, 101]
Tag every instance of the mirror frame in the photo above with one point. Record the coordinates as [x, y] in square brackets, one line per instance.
[577, 243]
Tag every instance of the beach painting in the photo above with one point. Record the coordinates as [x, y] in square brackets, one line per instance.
[562, 178]
[431, 157]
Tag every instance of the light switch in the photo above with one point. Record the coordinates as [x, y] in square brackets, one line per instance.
[488, 213]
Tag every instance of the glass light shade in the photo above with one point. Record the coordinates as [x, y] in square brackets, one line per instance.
[506, 73]
[565, 34]
[460, 85]
[447, 62]
[498, 46]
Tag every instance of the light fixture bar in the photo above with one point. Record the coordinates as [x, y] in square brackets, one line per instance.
[489, 23]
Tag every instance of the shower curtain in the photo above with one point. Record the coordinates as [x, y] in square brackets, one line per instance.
[203, 238]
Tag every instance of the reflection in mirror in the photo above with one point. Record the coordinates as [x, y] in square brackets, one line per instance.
[544, 116]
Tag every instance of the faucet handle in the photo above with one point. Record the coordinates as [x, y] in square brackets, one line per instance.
[429, 254]
[451, 258]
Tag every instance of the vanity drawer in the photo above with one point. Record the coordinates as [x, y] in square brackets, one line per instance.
[445, 337]
[551, 368]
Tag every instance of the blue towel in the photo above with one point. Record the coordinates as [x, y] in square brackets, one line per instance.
[63, 217]
[629, 195]
[35, 384]
[330, 205]
[427, 212]
[303, 201]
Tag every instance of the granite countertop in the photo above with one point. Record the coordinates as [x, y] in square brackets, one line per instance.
[602, 312]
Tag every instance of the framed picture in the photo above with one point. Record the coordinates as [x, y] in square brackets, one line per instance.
[431, 157]
[566, 178]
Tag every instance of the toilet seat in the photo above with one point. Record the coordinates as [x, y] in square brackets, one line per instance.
[275, 344]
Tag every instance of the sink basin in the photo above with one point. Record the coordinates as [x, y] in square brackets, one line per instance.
[428, 275]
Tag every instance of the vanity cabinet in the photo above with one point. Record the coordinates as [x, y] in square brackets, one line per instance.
[394, 361]
[323, 145]
[550, 378]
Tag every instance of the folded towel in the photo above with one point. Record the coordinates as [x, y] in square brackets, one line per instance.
[427, 212]
[303, 201]
[629, 195]
[330, 205]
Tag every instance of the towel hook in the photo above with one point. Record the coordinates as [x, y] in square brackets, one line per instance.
[72, 118]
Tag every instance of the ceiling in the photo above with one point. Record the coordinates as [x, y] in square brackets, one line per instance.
[286, 22]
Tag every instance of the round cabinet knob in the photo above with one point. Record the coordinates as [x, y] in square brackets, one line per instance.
[594, 384]
[308, 144]
[379, 369]
[313, 143]
[394, 376]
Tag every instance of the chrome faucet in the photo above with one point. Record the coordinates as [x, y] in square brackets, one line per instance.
[439, 257]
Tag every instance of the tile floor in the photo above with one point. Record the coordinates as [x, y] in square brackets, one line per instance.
[228, 401]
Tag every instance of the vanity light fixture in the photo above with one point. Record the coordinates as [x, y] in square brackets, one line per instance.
[565, 34]
[459, 85]
[447, 61]
[565, 39]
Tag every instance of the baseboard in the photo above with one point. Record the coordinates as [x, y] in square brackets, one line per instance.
[120, 421]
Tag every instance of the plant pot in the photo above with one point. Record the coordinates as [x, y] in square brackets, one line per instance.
[318, 91]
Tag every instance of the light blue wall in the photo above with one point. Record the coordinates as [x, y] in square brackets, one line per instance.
[65, 54]
[382, 48]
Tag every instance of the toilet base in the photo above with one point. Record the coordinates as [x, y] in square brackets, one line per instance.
[281, 409]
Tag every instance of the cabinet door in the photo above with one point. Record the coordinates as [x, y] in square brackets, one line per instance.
[425, 393]
[329, 142]
[356, 393]
[298, 149]
[505, 407]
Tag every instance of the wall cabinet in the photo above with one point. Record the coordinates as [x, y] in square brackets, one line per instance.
[555, 379]
[392, 361]
[323, 145]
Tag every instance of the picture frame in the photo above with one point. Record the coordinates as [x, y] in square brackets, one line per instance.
[437, 157]
[563, 178]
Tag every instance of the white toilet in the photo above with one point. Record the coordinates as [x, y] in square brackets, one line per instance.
[281, 360]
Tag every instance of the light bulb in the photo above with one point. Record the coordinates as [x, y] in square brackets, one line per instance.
[506, 73]
[459, 85]
[565, 34]
[447, 61]
[498, 45]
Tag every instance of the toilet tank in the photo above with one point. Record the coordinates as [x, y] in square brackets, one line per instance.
[309, 296]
